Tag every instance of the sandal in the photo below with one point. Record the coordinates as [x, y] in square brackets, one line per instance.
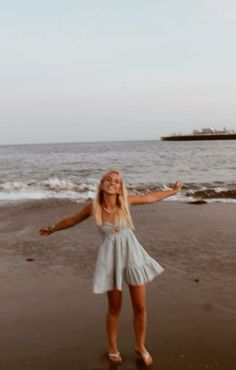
[115, 357]
[146, 357]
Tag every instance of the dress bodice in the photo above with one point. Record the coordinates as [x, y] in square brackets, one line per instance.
[107, 228]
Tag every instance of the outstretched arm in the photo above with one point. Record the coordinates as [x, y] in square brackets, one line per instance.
[155, 196]
[68, 221]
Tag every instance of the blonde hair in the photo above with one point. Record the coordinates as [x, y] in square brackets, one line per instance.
[122, 214]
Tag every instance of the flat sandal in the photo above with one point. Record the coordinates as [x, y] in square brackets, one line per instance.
[115, 357]
[146, 357]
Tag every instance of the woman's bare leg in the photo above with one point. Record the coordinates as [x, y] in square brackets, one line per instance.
[138, 298]
[137, 294]
[114, 306]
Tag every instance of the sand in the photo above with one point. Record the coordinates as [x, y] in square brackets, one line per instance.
[50, 319]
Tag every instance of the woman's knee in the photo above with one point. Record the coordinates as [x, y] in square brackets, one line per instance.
[139, 308]
[114, 302]
[114, 309]
[137, 294]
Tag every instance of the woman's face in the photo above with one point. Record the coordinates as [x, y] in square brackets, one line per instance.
[111, 184]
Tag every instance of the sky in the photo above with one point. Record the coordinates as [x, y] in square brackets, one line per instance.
[103, 70]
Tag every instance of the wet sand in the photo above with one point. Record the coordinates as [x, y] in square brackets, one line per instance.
[50, 319]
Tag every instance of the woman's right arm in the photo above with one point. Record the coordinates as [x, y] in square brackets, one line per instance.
[67, 222]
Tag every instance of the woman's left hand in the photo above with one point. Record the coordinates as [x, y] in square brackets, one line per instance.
[177, 186]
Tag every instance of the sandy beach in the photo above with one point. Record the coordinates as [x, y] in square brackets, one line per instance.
[50, 319]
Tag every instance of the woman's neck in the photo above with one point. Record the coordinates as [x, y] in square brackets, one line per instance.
[109, 201]
[109, 208]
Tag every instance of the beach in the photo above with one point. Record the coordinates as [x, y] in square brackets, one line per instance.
[50, 319]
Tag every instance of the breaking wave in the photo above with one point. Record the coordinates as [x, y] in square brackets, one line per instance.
[51, 188]
[67, 189]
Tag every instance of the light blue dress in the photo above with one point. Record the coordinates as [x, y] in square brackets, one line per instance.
[122, 258]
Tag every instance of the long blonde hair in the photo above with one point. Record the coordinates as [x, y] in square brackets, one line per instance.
[122, 214]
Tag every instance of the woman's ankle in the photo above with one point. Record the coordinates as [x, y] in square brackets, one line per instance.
[113, 349]
[140, 348]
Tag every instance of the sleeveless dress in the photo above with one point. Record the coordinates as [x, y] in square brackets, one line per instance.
[122, 258]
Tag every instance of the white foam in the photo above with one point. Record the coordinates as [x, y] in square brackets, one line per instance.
[56, 183]
[54, 187]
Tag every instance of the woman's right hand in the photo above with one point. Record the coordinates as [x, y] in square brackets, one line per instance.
[44, 231]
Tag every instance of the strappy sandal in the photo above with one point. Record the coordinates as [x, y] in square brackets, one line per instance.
[115, 357]
[146, 357]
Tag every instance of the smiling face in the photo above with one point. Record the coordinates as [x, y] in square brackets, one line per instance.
[111, 183]
[112, 187]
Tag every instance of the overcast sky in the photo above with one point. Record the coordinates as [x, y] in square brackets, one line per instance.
[76, 70]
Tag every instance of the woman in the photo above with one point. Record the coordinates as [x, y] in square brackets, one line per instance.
[120, 256]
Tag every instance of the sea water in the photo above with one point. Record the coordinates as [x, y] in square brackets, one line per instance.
[72, 170]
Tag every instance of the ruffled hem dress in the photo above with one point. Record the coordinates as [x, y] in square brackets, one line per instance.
[122, 258]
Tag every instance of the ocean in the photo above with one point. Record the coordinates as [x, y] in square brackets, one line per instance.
[72, 170]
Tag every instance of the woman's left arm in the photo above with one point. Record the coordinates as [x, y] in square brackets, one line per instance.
[156, 196]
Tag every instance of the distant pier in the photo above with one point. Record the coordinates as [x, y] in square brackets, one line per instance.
[204, 134]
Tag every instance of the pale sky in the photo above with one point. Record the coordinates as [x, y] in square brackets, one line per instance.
[76, 70]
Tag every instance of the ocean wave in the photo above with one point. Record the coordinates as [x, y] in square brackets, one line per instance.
[217, 193]
[50, 188]
[54, 187]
